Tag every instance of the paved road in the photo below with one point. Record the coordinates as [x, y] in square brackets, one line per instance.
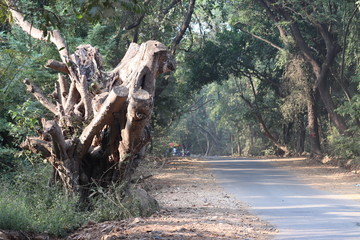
[297, 210]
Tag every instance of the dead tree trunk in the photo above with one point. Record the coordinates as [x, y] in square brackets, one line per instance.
[101, 119]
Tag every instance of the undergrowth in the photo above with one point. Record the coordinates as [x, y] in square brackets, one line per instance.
[28, 204]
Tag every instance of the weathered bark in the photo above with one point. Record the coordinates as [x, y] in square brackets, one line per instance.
[57, 66]
[37, 93]
[313, 125]
[112, 105]
[101, 120]
[135, 135]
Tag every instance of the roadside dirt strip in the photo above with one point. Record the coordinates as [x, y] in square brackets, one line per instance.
[343, 183]
[193, 206]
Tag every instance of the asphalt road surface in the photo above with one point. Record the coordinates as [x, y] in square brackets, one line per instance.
[298, 211]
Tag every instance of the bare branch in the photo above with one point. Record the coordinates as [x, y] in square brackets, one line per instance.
[54, 36]
[171, 5]
[57, 66]
[51, 127]
[34, 90]
[260, 38]
[184, 27]
[83, 89]
[37, 145]
[63, 93]
[72, 99]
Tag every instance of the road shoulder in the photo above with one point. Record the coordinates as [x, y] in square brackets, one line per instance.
[343, 183]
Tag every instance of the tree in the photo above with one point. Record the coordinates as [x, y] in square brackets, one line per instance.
[316, 16]
[101, 119]
[230, 55]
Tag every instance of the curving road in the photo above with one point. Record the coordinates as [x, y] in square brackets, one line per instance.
[297, 210]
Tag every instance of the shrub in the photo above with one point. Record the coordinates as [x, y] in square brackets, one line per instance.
[345, 146]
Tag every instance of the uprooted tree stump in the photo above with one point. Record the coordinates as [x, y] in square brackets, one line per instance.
[101, 121]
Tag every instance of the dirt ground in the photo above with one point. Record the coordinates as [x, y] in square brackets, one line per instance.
[343, 183]
[193, 206]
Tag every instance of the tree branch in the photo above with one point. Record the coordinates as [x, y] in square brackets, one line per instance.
[112, 104]
[83, 89]
[36, 92]
[183, 28]
[63, 93]
[54, 36]
[51, 127]
[273, 17]
[57, 66]
[171, 5]
[260, 38]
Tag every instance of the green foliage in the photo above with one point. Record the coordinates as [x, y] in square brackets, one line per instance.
[95, 10]
[352, 107]
[344, 146]
[348, 145]
[25, 120]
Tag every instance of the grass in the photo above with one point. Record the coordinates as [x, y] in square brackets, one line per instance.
[28, 204]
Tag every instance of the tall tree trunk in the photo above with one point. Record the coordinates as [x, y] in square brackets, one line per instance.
[301, 132]
[239, 146]
[232, 144]
[326, 98]
[313, 125]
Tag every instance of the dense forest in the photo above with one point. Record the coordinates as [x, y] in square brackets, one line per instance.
[253, 77]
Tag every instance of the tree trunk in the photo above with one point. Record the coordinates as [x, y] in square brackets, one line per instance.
[301, 132]
[239, 150]
[313, 125]
[335, 118]
[270, 136]
[232, 144]
[102, 122]
[101, 119]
